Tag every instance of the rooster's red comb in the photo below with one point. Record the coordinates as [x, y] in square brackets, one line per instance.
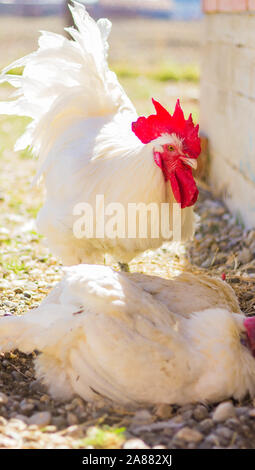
[148, 129]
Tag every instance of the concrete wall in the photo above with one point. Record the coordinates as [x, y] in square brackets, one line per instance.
[228, 102]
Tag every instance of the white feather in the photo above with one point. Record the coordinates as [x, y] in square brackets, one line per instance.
[133, 338]
[81, 132]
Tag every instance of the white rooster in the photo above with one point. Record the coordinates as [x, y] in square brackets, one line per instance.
[138, 339]
[89, 141]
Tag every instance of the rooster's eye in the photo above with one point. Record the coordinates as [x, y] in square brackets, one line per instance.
[244, 340]
[170, 148]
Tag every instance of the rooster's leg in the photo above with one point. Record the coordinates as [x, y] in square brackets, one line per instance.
[124, 267]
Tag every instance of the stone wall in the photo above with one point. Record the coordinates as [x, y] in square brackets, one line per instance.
[228, 102]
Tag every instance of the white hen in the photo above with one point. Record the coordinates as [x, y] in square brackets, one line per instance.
[81, 130]
[133, 338]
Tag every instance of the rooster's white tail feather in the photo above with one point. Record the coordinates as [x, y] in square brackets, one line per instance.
[63, 82]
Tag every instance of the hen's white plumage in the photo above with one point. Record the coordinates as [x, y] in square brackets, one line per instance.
[81, 132]
[134, 338]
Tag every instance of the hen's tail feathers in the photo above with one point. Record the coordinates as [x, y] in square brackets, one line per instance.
[16, 333]
[40, 328]
[63, 82]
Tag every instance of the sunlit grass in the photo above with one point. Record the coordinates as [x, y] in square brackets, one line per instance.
[16, 71]
[12, 263]
[176, 72]
[11, 128]
[142, 89]
[165, 72]
[162, 73]
[103, 438]
[15, 202]
[33, 210]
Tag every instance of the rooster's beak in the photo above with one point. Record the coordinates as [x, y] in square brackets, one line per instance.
[190, 161]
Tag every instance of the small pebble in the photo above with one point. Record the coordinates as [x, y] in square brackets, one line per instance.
[59, 421]
[44, 398]
[241, 410]
[72, 419]
[22, 418]
[225, 432]
[189, 435]
[50, 429]
[233, 423]
[3, 399]
[250, 237]
[212, 440]
[200, 412]
[9, 304]
[135, 444]
[26, 407]
[41, 419]
[27, 295]
[18, 290]
[141, 417]
[224, 411]
[244, 256]
[207, 263]
[252, 413]
[164, 412]
[35, 386]
[187, 414]
[206, 425]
